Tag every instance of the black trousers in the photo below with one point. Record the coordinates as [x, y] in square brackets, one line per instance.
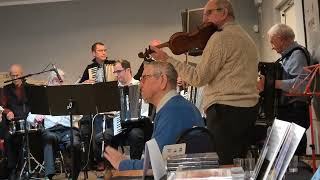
[133, 136]
[297, 112]
[54, 138]
[13, 150]
[13, 144]
[232, 128]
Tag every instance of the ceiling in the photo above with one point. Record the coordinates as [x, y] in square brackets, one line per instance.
[22, 2]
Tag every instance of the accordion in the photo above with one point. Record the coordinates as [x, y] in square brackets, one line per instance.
[270, 96]
[109, 68]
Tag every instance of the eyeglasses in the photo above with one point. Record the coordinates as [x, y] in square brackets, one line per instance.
[101, 50]
[14, 75]
[118, 71]
[209, 11]
[146, 76]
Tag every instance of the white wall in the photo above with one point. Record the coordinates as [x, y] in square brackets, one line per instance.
[62, 33]
[268, 17]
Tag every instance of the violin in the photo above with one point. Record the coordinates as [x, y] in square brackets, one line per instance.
[182, 42]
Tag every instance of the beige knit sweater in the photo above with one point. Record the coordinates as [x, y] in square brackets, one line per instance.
[228, 69]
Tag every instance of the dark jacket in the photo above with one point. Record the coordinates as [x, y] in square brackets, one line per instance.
[15, 100]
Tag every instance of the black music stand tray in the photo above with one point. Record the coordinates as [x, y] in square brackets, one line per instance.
[87, 99]
[55, 100]
[72, 100]
[107, 96]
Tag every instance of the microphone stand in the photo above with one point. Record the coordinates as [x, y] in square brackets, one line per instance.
[26, 148]
[28, 75]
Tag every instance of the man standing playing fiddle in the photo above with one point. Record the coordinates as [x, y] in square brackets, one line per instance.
[228, 72]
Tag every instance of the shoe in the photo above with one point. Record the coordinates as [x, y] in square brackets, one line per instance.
[100, 166]
[49, 177]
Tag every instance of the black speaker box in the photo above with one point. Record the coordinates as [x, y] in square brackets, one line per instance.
[191, 20]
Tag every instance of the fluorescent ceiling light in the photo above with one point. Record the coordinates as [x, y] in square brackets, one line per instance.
[22, 2]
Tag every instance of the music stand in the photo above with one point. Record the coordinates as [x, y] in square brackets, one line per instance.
[55, 100]
[63, 100]
[107, 99]
[107, 96]
[81, 99]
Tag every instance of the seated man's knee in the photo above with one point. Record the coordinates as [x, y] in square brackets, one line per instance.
[105, 136]
[76, 145]
[99, 138]
[49, 137]
[136, 134]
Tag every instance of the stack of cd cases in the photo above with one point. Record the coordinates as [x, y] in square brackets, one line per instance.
[208, 160]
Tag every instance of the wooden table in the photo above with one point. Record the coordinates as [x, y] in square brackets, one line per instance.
[138, 173]
[130, 173]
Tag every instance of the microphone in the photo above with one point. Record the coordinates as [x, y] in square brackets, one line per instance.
[57, 73]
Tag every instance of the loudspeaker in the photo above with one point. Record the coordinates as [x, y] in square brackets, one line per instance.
[191, 20]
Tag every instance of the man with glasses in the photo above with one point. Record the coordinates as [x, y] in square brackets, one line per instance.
[174, 113]
[294, 58]
[135, 136]
[122, 71]
[15, 106]
[100, 70]
[228, 72]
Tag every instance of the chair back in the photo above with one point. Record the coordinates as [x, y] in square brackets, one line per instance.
[198, 140]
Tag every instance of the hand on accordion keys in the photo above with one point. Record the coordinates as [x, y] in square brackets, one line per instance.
[10, 116]
[260, 83]
[1, 110]
[117, 124]
[38, 119]
[89, 81]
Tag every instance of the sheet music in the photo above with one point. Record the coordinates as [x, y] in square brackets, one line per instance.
[173, 150]
[153, 155]
[296, 133]
[316, 175]
[259, 163]
[274, 173]
[273, 143]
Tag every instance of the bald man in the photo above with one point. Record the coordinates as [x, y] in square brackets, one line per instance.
[294, 58]
[15, 106]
